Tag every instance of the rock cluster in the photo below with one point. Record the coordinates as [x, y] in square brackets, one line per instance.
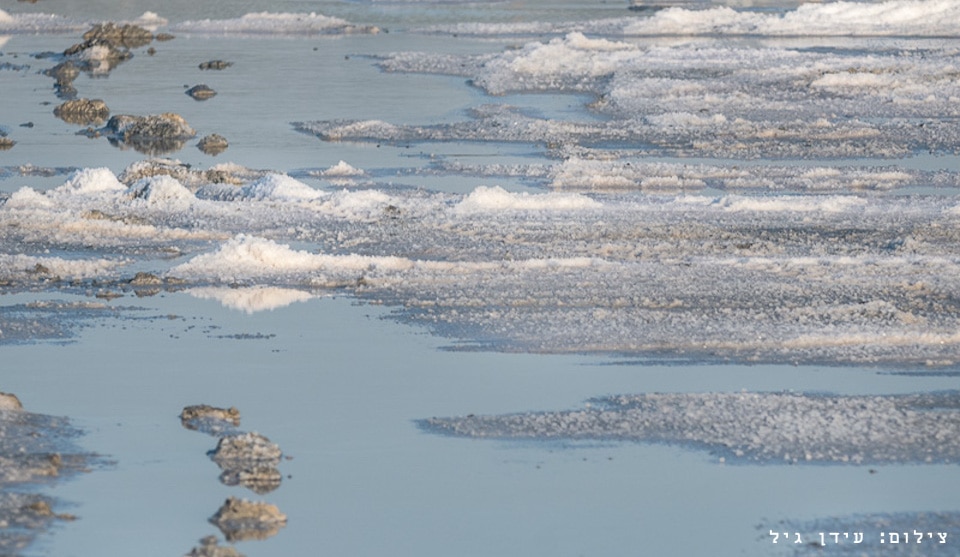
[247, 459]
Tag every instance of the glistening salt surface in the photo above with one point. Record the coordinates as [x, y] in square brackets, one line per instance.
[814, 279]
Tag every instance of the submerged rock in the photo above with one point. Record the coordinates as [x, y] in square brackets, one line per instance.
[240, 519]
[83, 111]
[213, 144]
[209, 547]
[215, 65]
[201, 92]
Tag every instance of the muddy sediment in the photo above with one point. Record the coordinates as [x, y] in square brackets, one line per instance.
[33, 448]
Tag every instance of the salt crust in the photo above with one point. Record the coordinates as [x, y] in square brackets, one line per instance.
[764, 427]
[781, 278]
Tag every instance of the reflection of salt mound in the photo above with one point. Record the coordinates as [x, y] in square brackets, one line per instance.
[252, 299]
[484, 199]
[769, 427]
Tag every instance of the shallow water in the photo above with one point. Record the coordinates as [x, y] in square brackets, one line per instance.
[727, 218]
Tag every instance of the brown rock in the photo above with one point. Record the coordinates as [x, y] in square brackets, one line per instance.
[240, 519]
[213, 144]
[83, 111]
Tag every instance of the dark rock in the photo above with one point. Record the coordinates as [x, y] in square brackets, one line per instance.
[201, 92]
[83, 111]
[215, 65]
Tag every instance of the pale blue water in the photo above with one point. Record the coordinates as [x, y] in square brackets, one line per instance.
[338, 382]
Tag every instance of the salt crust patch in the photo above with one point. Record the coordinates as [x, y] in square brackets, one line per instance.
[484, 199]
[763, 427]
[779, 278]
[893, 17]
[269, 23]
[17, 266]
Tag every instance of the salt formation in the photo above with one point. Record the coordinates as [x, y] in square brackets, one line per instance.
[762, 427]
